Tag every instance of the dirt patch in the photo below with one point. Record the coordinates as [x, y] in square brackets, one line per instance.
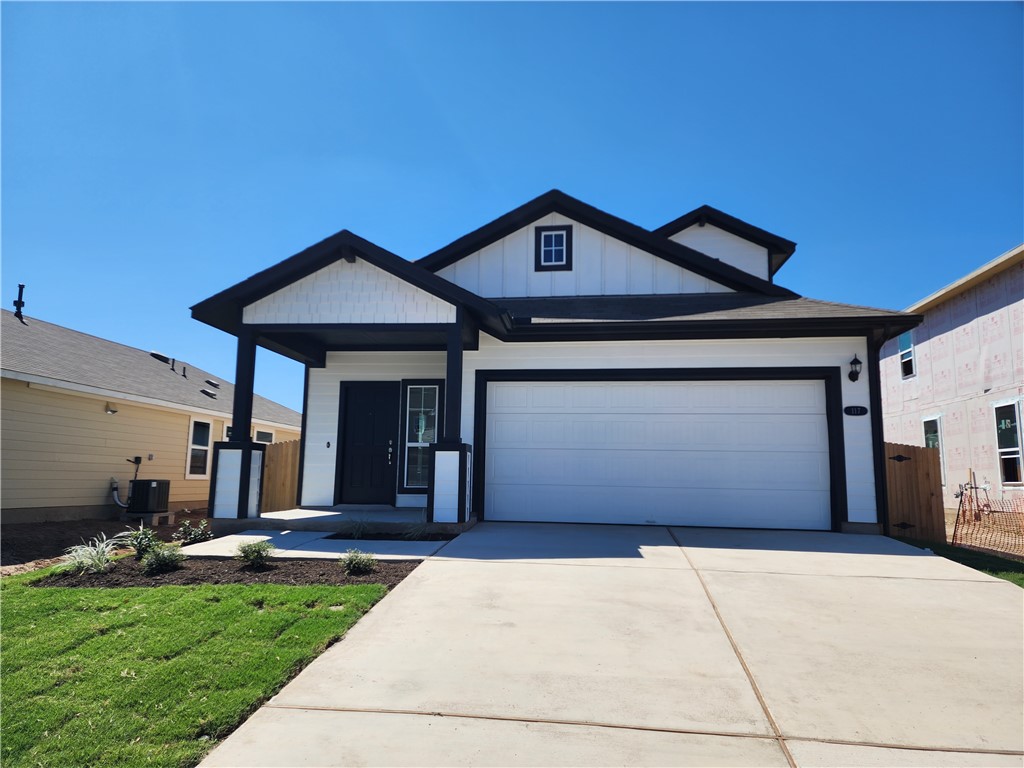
[28, 546]
[128, 573]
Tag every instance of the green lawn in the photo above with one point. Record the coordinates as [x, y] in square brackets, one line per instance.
[1000, 567]
[152, 676]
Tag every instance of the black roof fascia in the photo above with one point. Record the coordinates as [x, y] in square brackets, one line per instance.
[224, 310]
[879, 328]
[556, 201]
[779, 248]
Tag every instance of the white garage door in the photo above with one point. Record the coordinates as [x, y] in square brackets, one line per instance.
[722, 453]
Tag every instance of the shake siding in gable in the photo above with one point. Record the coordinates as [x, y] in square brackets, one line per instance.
[602, 266]
[346, 292]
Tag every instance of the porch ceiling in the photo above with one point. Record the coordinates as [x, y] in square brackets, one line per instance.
[310, 345]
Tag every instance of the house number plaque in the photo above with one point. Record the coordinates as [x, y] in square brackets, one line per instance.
[855, 410]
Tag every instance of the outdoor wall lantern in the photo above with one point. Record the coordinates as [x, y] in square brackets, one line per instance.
[110, 409]
[855, 365]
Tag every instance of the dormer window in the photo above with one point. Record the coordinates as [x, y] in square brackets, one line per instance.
[552, 248]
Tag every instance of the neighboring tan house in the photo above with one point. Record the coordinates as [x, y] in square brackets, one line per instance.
[75, 410]
[956, 382]
[561, 364]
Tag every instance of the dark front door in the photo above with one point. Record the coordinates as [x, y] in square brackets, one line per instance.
[368, 443]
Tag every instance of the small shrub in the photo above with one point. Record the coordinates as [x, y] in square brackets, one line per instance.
[162, 558]
[141, 540]
[358, 529]
[255, 553]
[355, 562]
[187, 534]
[94, 556]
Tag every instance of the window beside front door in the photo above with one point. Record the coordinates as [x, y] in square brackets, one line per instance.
[421, 424]
[1008, 443]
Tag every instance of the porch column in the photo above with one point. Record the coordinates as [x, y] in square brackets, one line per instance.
[241, 413]
[447, 498]
[453, 383]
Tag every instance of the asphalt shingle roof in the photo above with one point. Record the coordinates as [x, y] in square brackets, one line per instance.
[684, 308]
[52, 351]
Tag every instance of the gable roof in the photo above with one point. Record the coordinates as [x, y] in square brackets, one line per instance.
[1009, 259]
[62, 356]
[224, 310]
[779, 248]
[556, 201]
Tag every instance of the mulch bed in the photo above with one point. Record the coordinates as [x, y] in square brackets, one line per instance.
[27, 546]
[127, 572]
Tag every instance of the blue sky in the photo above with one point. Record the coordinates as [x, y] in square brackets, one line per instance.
[155, 154]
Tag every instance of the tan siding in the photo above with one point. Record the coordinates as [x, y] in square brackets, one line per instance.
[62, 449]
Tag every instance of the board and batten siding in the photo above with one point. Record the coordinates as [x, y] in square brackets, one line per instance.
[727, 247]
[345, 292]
[716, 353]
[601, 266]
[321, 438]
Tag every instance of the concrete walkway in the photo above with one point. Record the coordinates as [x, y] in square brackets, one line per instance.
[313, 545]
[532, 644]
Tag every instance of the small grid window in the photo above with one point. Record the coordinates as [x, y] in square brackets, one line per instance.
[199, 449]
[1008, 443]
[906, 355]
[553, 249]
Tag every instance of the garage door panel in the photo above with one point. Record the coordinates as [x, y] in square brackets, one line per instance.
[659, 431]
[660, 397]
[734, 508]
[681, 453]
[637, 470]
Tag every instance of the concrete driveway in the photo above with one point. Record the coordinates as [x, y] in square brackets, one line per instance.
[545, 645]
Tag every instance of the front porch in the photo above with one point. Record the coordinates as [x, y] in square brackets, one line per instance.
[370, 520]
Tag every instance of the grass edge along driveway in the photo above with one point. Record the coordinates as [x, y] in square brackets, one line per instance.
[152, 676]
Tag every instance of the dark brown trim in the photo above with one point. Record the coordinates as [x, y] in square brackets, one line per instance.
[438, 427]
[302, 438]
[538, 237]
[452, 432]
[830, 375]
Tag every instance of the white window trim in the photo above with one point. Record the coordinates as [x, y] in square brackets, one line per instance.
[189, 445]
[553, 249]
[937, 418]
[1018, 404]
[406, 445]
[255, 428]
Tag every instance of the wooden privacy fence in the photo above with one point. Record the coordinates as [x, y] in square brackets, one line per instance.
[914, 482]
[280, 476]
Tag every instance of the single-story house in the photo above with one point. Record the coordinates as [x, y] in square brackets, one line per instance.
[956, 382]
[76, 409]
[562, 364]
